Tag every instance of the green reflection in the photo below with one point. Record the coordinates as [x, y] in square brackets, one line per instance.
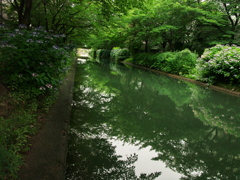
[194, 130]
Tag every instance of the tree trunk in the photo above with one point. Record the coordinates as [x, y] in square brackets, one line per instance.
[23, 8]
[146, 46]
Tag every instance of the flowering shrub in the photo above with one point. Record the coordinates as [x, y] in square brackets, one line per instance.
[220, 63]
[32, 60]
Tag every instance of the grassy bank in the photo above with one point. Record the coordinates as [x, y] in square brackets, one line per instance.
[21, 118]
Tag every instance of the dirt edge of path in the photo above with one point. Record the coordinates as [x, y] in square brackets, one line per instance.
[47, 158]
[217, 88]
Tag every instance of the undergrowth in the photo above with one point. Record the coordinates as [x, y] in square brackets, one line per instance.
[20, 121]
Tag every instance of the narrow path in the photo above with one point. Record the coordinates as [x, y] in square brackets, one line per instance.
[47, 157]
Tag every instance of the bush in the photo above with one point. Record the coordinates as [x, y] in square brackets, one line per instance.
[220, 63]
[32, 60]
[182, 62]
[185, 61]
[113, 53]
[164, 61]
[119, 54]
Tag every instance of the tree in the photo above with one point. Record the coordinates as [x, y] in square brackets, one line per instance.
[70, 17]
[23, 9]
[142, 30]
[172, 25]
[231, 9]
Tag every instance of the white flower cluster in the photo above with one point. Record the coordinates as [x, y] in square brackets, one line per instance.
[221, 60]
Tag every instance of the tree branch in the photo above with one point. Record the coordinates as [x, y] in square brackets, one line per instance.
[229, 15]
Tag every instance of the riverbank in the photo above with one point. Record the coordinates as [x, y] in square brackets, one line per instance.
[234, 92]
[47, 158]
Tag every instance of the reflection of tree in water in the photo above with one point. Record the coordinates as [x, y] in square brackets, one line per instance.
[203, 157]
[90, 155]
[152, 115]
[95, 158]
[217, 112]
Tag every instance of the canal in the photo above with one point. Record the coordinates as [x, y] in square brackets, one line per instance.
[132, 124]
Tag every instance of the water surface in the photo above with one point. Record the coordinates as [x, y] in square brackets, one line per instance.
[129, 123]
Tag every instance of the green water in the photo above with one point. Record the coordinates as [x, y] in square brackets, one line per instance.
[129, 124]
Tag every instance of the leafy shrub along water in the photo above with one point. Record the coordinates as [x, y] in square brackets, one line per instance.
[220, 63]
[144, 59]
[32, 60]
[182, 62]
[102, 54]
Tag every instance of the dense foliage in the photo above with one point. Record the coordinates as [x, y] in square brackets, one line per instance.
[102, 54]
[119, 54]
[20, 120]
[33, 61]
[173, 25]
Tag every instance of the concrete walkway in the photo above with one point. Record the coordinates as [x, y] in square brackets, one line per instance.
[47, 157]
